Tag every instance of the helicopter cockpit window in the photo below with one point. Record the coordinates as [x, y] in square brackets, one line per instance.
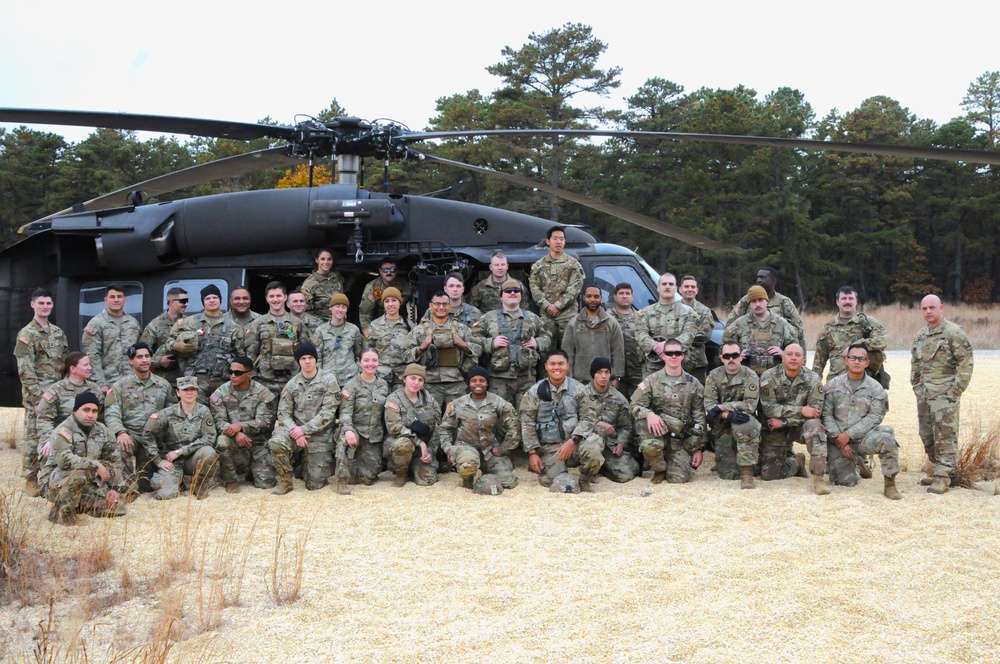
[193, 288]
[608, 276]
[92, 300]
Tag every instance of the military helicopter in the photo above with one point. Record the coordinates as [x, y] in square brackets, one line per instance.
[251, 238]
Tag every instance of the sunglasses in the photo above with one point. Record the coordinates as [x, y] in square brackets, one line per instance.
[237, 372]
[511, 290]
[730, 356]
[388, 270]
[673, 353]
[182, 300]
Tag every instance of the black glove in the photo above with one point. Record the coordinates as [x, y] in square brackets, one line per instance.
[419, 428]
[545, 391]
[713, 414]
[736, 417]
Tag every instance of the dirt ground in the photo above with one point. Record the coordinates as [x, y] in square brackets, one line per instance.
[702, 572]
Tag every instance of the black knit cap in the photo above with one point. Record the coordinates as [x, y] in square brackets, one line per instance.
[211, 289]
[305, 348]
[598, 364]
[478, 371]
[84, 398]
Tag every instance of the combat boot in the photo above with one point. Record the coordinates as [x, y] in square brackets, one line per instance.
[800, 459]
[31, 488]
[864, 469]
[939, 485]
[232, 487]
[890, 491]
[927, 481]
[659, 477]
[746, 477]
[820, 485]
[400, 480]
[64, 517]
[585, 484]
[342, 488]
[467, 481]
[284, 484]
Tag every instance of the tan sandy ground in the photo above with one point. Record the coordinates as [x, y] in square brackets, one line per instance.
[702, 572]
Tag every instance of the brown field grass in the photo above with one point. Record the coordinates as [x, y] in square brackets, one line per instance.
[702, 572]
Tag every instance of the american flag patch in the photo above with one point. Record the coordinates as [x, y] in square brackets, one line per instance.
[392, 406]
[346, 392]
[47, 395]
[66, 434]
[25, 339]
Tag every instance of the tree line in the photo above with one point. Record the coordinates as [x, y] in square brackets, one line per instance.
[894, 228]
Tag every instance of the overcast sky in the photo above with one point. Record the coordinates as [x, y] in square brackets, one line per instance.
[244, 61]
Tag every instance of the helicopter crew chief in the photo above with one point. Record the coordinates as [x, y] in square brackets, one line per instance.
[666, 319]
[321, 285]
[487, 294]
[556, 280]
[107, 336]
[157, 333]
[40, 349]
[272, 339]
[371, 299]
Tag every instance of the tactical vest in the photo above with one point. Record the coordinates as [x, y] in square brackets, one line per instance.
[555, 418]
[215, 352]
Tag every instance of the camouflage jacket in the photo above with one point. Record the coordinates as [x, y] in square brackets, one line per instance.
[106, 339]
[40, 352]
[589, 337]
[941, 361]
[704, 324]
[779, 305]
[678, 400]
[310, 403]
[569, 411]
[838, 334]
[400, 413]
[339, 348]
[484, 424]
[660, 322]
[172, 429]
[388, 338]
[521, 325]
[156, 334]
[487, 295]
[612, 408]
[740, 391]
[783, 397]
[318, 289]
[253, 409]
[271, 342]
[370, 307]
[450, 357]
[633, 355]
[77, 448]
[855, 411]
[362, 408]
[217, 341]
[755, 337]
[57, 403]
[557, 281]
[132, 400]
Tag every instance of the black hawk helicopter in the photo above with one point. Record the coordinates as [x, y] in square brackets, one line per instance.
[251, 238]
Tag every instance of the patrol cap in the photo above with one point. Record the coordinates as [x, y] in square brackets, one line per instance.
[598, 364]
[510, 283]
[305, 348]
[187, 383]
[477, 371]
[84, 398]
[415, 370]
[487, 485]
[565, 483]
[211, 289]
[392, 291]
[757, 293]
[340, 298]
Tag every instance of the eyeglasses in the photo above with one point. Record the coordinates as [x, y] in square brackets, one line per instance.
[856, 358]
[182, 300]
[388, 270]
[440, 304]
[730, 356]
[511, 290]
[237, 372]
[673, 353]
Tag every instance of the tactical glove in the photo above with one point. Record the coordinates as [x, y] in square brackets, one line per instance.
[419, 428]
[736, 417]
[713, 414]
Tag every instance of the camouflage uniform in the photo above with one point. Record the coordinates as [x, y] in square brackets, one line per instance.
[511, 376]
[244, 321]
[193, 434]
[311, 404]
[339, 349]
[55, 406]
[612, 408]
[556, 281]
[783, 398]
[40, 352]
[633, 355]
[72, 467]
[217, 340]
[156, 334]
[370, 307]
[857, 410]
[736, 445]
[318, 289]
[444, 380]
[362, 410]
[660, 322]
[271, 342]
[254, 410]
[839, 334]
[548, 423]
[588, 337]
[755, 337]
[469, 431]
[465, 313]
[400, 445]
[388, 337]
[310, 324]
[696, 361]
[106, 339]
[127, 408]
[680, 402]
[940, 371]
[779, 305]
[487, 295]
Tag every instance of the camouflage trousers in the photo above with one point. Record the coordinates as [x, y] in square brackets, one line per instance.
[843, 471]
[701, 373]
[403, 453]
[138, 465]
[777, 459]
[468, 461]
[557, 326]
[30, 445]
[446, 392]
[622, 468]
[588, 454]
[360, 465]
[937, 420]
[316, 457]
[200, 466]
[667, 454]
[513, 389]
[735, 445]
[236, 462]
[207, 385]
[79, 491]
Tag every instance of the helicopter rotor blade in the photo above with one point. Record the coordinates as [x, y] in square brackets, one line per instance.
[655, 225]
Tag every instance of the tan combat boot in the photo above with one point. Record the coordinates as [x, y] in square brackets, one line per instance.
[658, 477]
[939, 485]
[232, 487]
[64, 517]
[342, 488]
[890, 491]
[746, 477]
[31, 488]
[400, 480]
[800, 459]
[284, 484]
[586, 486]
[864, 470]
[927, 480]
[467, 481]
[820, 485]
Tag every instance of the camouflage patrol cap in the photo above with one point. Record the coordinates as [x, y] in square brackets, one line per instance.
[487, 485]
[757, 293]
[392, 291]
[565, 483]
[187, 383]
[510, 283]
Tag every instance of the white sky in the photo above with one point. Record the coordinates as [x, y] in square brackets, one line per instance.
[243, 61]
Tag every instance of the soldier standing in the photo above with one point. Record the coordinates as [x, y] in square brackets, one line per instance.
[696, 361]
[940, 371]
[668, 410]
[362, 427]
[778, 304]
[372, 297]
[297, 308]
[272, 339]
[612, 424]
[667, 319]
[853, 408]
[239, 307]
[157, 333]
[486, 295]
[514, 338]
[557, 416]
[732, 393]
[107, 336]
[411, 419]
[791, 401]
[556, 280]
[464, 313]
[321, 285]
[627, 317]
[40, 349]
[179, 439]
[387, 335]
[244, 412]
[591, 334]
[847, 327]
[307, 414]
[338, 342]
[479, 430]
[762, 334]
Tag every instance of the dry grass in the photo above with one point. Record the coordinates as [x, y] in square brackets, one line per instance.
[11, 427]
[286, 579]
[979, 457]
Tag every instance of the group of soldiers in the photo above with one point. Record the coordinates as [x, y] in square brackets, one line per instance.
[237, 396]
